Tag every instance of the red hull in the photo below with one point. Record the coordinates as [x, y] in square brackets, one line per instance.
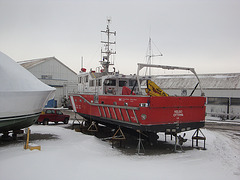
[153, 114]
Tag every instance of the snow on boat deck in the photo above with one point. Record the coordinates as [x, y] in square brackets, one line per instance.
[73, 155]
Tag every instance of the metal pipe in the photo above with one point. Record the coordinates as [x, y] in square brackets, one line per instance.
[140, 66]
[108, 105]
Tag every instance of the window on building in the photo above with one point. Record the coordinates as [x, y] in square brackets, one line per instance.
[235, 101]
[46, 76]
[218, 100]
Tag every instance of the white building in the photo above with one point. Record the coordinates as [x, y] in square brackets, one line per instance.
[222, 91]
[54, 73]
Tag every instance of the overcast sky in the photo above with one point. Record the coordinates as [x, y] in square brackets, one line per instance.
[204, 34]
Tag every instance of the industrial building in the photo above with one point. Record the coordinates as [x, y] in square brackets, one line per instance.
[54, 73]
[222, 91]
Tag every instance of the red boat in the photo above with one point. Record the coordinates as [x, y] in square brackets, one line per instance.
[133, 101]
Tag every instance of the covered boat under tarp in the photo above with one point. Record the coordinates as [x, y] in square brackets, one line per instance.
[22, 95]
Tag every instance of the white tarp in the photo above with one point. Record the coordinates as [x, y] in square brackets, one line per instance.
[13, 77]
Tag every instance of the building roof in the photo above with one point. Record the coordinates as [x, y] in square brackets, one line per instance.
[28, 64]
[208, 81]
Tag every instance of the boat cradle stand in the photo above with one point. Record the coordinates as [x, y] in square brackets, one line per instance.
[171, 132]
[28, 145]
[198, 137]
[79, 122]
[93, 127]
[83, 124]
[118, 137]
[140, 147]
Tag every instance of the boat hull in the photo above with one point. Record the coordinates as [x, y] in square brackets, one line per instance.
[22, 95]
[180, 127]
[17, 122]
[21, 109]
[144, 113]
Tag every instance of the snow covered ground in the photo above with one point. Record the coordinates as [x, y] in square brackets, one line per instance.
[73, 155]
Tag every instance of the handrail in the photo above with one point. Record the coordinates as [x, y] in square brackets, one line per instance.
[108, 105]
[140, 66]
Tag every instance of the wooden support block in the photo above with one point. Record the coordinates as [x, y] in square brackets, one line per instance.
[199, 138]
[32, 147]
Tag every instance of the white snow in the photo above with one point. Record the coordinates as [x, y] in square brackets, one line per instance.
[77, 156]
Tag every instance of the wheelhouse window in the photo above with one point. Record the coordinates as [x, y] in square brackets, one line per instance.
[110, 82]
[99, 82]
[132, 82]
[122, 83]
[79, 79]
[86, 79]
[91, 82]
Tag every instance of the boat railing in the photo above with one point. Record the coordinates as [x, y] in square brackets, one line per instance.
[141, 66]
[112, 114]
[108, 105]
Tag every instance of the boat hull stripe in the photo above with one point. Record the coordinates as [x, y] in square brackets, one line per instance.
[18, 117]
[73, 104]
[148, 128]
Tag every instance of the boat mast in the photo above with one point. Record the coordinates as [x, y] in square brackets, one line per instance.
[150, 55]
[107, 52]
